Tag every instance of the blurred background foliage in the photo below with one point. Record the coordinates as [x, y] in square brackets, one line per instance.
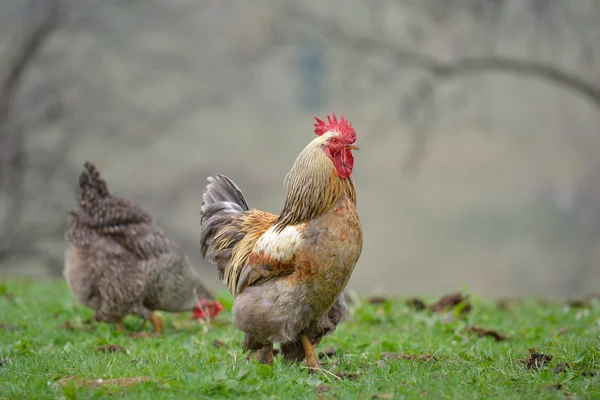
[478, 122]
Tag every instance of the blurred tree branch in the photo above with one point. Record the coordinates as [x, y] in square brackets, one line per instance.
[13, 151]
[437, 71]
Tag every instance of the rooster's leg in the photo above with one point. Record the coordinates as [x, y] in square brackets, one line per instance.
[157, 323]
[309, 351]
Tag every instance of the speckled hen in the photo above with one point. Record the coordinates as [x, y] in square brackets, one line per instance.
[288, 272]
[118, 262]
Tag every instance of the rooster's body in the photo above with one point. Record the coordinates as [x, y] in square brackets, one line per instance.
[288, 272]
[118, 262]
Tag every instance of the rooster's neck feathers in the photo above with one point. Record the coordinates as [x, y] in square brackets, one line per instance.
[312, 186]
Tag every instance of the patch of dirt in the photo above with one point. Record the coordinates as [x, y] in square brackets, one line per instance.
[557, 386]
[347, 375]
[89, 382]
[86, 325]
[382, 396]
[416, 304]
[327, 352]
[143, 335]
[67, 325]
[482, 332]
[8, 296]
[218, 344]
[8, 327]
[377, 299]
[322, 388]
[450, 301]
[408, 357]
[111, 348]
[505, 303]
[562, 330]
[578, 303]
[560, 367]
[536, 360]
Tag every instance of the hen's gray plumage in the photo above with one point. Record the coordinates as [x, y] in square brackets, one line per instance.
[118, 262]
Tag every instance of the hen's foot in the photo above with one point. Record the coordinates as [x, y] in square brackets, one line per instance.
[157, 323]
[311, 358]
[264, 355]
[120, 326]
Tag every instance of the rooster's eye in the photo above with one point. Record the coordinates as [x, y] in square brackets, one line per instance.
[334, 140]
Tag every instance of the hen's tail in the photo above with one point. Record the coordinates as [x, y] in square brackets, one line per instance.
[102, 211]
[221, 204]
[92, 188]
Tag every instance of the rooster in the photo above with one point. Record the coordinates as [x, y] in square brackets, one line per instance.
[287, 272]
[118, 262]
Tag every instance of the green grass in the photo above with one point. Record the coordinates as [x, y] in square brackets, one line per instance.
[42, 359]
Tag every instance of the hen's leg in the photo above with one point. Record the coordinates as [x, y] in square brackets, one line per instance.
[264, 355]
[309, 351]
[157, 323]
[119, 325]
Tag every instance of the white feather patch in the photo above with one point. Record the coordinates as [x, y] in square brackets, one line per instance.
[279, 246]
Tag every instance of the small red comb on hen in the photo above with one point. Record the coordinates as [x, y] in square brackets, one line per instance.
[206, 309]
[343, 127]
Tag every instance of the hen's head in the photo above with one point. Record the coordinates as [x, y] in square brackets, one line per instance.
[338, 143]
[207, 309]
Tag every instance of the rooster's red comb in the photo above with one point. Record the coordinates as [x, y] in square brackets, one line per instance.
[343, 127]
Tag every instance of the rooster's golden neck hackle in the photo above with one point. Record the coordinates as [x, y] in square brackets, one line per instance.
[313, 185]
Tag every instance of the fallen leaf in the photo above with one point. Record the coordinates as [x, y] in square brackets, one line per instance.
[416, 303]
[328, 352]
[347, 375]
[218, 344]
[377, 300]
[578, 303]
[482, 332]
[89, 382]
[408, 357]
[560, 367]
[110, 348]
[450, 301]
[557, 386]
[535, 359]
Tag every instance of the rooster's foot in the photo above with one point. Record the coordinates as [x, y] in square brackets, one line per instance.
[311, 358]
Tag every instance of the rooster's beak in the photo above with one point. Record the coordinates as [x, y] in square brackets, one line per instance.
[352, 147]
